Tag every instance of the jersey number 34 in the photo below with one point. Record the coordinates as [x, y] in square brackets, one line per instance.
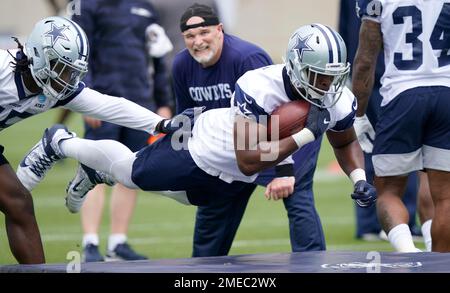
[439, 40]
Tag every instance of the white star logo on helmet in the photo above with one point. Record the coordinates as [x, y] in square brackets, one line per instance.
[57, 33]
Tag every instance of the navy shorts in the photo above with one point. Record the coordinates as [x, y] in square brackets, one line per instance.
[413, 132]
[159, 167]
[133, 139]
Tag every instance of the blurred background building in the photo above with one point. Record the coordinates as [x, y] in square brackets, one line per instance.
[267, 23]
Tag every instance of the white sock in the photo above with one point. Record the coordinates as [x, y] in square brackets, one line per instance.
[116, 239]
[401, 238]
[90, 238]
[426, 233]
[106, 155]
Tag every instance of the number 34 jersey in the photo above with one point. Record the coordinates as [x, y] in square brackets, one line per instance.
[416, 37]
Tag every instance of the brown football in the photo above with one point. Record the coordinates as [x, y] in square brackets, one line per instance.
[290, 118]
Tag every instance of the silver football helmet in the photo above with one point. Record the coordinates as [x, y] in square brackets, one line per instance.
[315, 50]
[58, 51]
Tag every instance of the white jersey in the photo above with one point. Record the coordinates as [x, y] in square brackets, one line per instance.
[17, 103]
[416, 43]
[257, 94]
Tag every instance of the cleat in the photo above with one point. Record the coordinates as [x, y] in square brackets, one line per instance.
[85, 179]
[91, 253]
[123, 252]
[41, 158]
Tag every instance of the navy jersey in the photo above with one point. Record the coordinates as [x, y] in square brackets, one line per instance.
[213, 86]
[118, 62]
[349, 24]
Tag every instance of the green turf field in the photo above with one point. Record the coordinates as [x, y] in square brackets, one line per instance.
[162, 228]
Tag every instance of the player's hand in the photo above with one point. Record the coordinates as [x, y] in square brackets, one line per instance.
[92, 122]
[318, 120]
[365, 133]
[280, 187]
[183, 121]
[364, 194]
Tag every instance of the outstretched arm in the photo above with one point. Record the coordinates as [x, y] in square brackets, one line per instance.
[115, 110]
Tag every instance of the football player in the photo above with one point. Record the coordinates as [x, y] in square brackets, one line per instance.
[139, 49]
[207, 163]
[205, 75]
[413, 129]
[367, 225]
[44, 74]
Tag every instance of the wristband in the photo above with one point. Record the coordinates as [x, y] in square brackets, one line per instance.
[303, 137]
[357, 175]
[286, 170]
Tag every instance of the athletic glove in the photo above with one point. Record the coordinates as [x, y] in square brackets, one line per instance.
[364, 194]
[318, 120]
[365, 133]
[183, 121]
[158, 44]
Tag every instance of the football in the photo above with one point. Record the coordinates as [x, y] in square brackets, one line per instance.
[289, 118]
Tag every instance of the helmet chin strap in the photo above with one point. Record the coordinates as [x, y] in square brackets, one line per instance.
[315, 95]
